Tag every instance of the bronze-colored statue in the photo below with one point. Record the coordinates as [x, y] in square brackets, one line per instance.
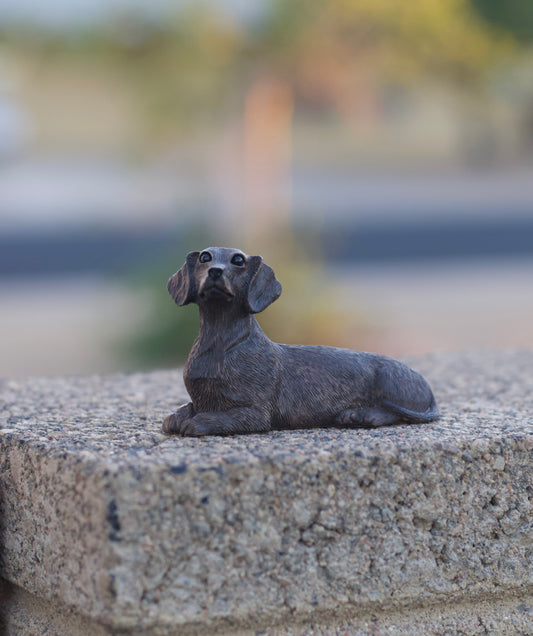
[242, 382]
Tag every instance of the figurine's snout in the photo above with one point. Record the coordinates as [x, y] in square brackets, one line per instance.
[215, 273]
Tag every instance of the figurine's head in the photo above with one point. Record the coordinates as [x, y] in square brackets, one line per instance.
[225, 278]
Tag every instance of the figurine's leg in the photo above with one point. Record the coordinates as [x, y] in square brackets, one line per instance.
[237, 420]
[172, 423]
[369, 417]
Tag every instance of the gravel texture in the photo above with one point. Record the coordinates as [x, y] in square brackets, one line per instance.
[143, 532]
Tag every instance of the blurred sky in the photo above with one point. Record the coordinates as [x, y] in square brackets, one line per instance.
[62, 14]
[379, 156]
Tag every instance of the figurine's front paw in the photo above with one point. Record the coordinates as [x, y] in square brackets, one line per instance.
[174, 423]
[200, 424]
[171, 424]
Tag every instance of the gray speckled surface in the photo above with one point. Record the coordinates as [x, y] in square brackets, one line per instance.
[146, 532]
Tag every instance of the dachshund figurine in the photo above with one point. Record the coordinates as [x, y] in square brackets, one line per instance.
[242, 382]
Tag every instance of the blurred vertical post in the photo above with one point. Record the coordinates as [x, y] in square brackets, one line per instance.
[267, 153]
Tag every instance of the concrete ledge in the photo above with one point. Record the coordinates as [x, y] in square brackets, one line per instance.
[31, 616]
[410, 529]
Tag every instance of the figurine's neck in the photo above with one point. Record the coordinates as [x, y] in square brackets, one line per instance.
[224, 330]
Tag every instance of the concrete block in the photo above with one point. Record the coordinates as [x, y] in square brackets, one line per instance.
[109, 526]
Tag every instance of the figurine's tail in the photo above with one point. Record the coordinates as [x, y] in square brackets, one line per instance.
[431, 413]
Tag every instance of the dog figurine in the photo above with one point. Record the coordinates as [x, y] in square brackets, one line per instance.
[242, 382]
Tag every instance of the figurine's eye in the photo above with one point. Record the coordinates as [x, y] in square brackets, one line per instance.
[238, 260]
[205, 257]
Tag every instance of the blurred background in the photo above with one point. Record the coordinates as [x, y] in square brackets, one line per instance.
[378, 154]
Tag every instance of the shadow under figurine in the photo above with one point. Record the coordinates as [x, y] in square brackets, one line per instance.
[242, 382]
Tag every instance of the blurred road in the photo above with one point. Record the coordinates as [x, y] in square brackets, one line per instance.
[443, 306]
[98, 217]
[64, 327]
[429, 263]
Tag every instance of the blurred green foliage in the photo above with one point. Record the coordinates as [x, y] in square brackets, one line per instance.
[166, 335]
[513, 15]
[169, 331]
[167, 338]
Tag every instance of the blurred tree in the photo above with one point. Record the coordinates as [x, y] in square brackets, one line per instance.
[340, 51]
[193, 68]
[514, 15]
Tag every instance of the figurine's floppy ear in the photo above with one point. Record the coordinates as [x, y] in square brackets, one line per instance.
[263, 288]
[181, 286]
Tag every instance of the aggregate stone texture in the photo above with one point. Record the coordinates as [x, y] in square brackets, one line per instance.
[139, 532]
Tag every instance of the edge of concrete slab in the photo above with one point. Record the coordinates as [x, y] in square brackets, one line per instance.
[24, 613]
[106, 522]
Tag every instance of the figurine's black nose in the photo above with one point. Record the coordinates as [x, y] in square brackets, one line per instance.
[215, 272]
